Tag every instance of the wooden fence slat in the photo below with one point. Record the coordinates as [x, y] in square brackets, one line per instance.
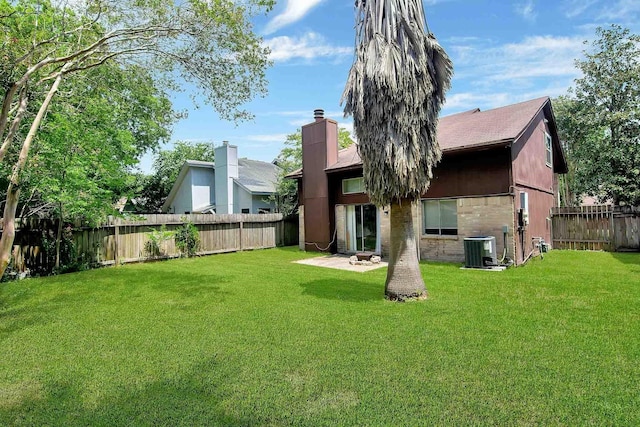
[122, 240]
[609, 228]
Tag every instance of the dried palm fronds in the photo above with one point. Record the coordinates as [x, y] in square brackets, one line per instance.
[394, 91]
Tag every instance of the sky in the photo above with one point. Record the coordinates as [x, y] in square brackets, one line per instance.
[503, 52]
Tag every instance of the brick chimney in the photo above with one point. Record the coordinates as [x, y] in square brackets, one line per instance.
[319, 151]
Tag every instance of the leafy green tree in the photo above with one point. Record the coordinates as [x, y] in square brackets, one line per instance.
[602, 122]
[567, 112]
[166, 168]
[92, 137]
[289, 160]
[207, 44]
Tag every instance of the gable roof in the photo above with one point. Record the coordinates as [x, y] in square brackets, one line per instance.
[484, 128]
[181, 175]
[257, 177]
[474, 130]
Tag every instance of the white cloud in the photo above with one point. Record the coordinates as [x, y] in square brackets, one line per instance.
[620, 11]
[532, 57]
[574, 8]
[267, 138]
[301, 118]
[294, 11]
[469, 100]
[298, 123]
[539, 56]
[489, 75]
[433, 2]
[526, 10]
[309, 46]
[624, 10]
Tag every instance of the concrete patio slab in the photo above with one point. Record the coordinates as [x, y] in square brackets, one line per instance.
[339, 262]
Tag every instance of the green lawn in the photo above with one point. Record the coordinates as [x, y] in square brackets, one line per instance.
[252, 339]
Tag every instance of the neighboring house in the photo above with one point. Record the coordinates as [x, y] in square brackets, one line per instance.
[228, 185]
[499, 170]
[593, 201]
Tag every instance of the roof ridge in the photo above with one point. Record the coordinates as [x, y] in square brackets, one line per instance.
[530, 101]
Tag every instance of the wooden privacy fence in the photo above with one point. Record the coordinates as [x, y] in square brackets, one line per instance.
[123, 240]
[608, 228]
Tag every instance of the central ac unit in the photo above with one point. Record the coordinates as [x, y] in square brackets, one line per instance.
[480, 252]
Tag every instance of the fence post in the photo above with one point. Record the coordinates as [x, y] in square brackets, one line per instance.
[612, 228]
[116, 238]
[240, 230]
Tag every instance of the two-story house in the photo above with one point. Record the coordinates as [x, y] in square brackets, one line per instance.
[497, 177]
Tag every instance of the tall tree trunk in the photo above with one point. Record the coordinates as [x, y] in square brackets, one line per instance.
[404, 279]
[13, 191]
[9, 229]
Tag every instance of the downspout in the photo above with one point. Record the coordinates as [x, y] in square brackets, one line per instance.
[512, 193]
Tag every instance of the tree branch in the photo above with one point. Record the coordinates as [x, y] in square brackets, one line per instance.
[22, 108]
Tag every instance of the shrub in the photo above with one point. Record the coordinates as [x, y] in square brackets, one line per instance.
[187, 239]
[155, 245]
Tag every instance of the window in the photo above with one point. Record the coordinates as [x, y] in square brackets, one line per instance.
[353, 185]
[440, 217]
[549, 146]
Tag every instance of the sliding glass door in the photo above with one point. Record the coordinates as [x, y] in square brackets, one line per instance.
[362, 228]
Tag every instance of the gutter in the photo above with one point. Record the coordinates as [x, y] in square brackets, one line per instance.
[501, 143]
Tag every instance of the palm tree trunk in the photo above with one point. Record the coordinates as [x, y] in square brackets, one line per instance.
[404, 279]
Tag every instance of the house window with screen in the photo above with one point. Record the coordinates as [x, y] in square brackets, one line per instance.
[353, 185]
[548, 146]
[440, 217]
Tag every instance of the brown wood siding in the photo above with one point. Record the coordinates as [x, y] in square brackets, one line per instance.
[458, 175]
[472, 174]
[540, 205]
[529, 157]
[335, 188]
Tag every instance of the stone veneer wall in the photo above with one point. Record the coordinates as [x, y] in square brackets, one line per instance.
[301, 244]
[385, 231]
[477, 216]
[341, 229]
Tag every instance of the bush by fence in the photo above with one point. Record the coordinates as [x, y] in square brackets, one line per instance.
[123, 240]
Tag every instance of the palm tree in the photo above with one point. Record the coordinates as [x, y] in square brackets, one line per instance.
[394, 92]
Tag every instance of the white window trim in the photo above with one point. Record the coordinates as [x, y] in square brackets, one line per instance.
[344, 181]
[548, 149]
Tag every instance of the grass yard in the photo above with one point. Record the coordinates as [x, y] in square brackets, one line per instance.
[252, 339]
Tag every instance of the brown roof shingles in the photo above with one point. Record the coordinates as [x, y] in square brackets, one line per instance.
[469, 129]
[487, 127]
[466, 130]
